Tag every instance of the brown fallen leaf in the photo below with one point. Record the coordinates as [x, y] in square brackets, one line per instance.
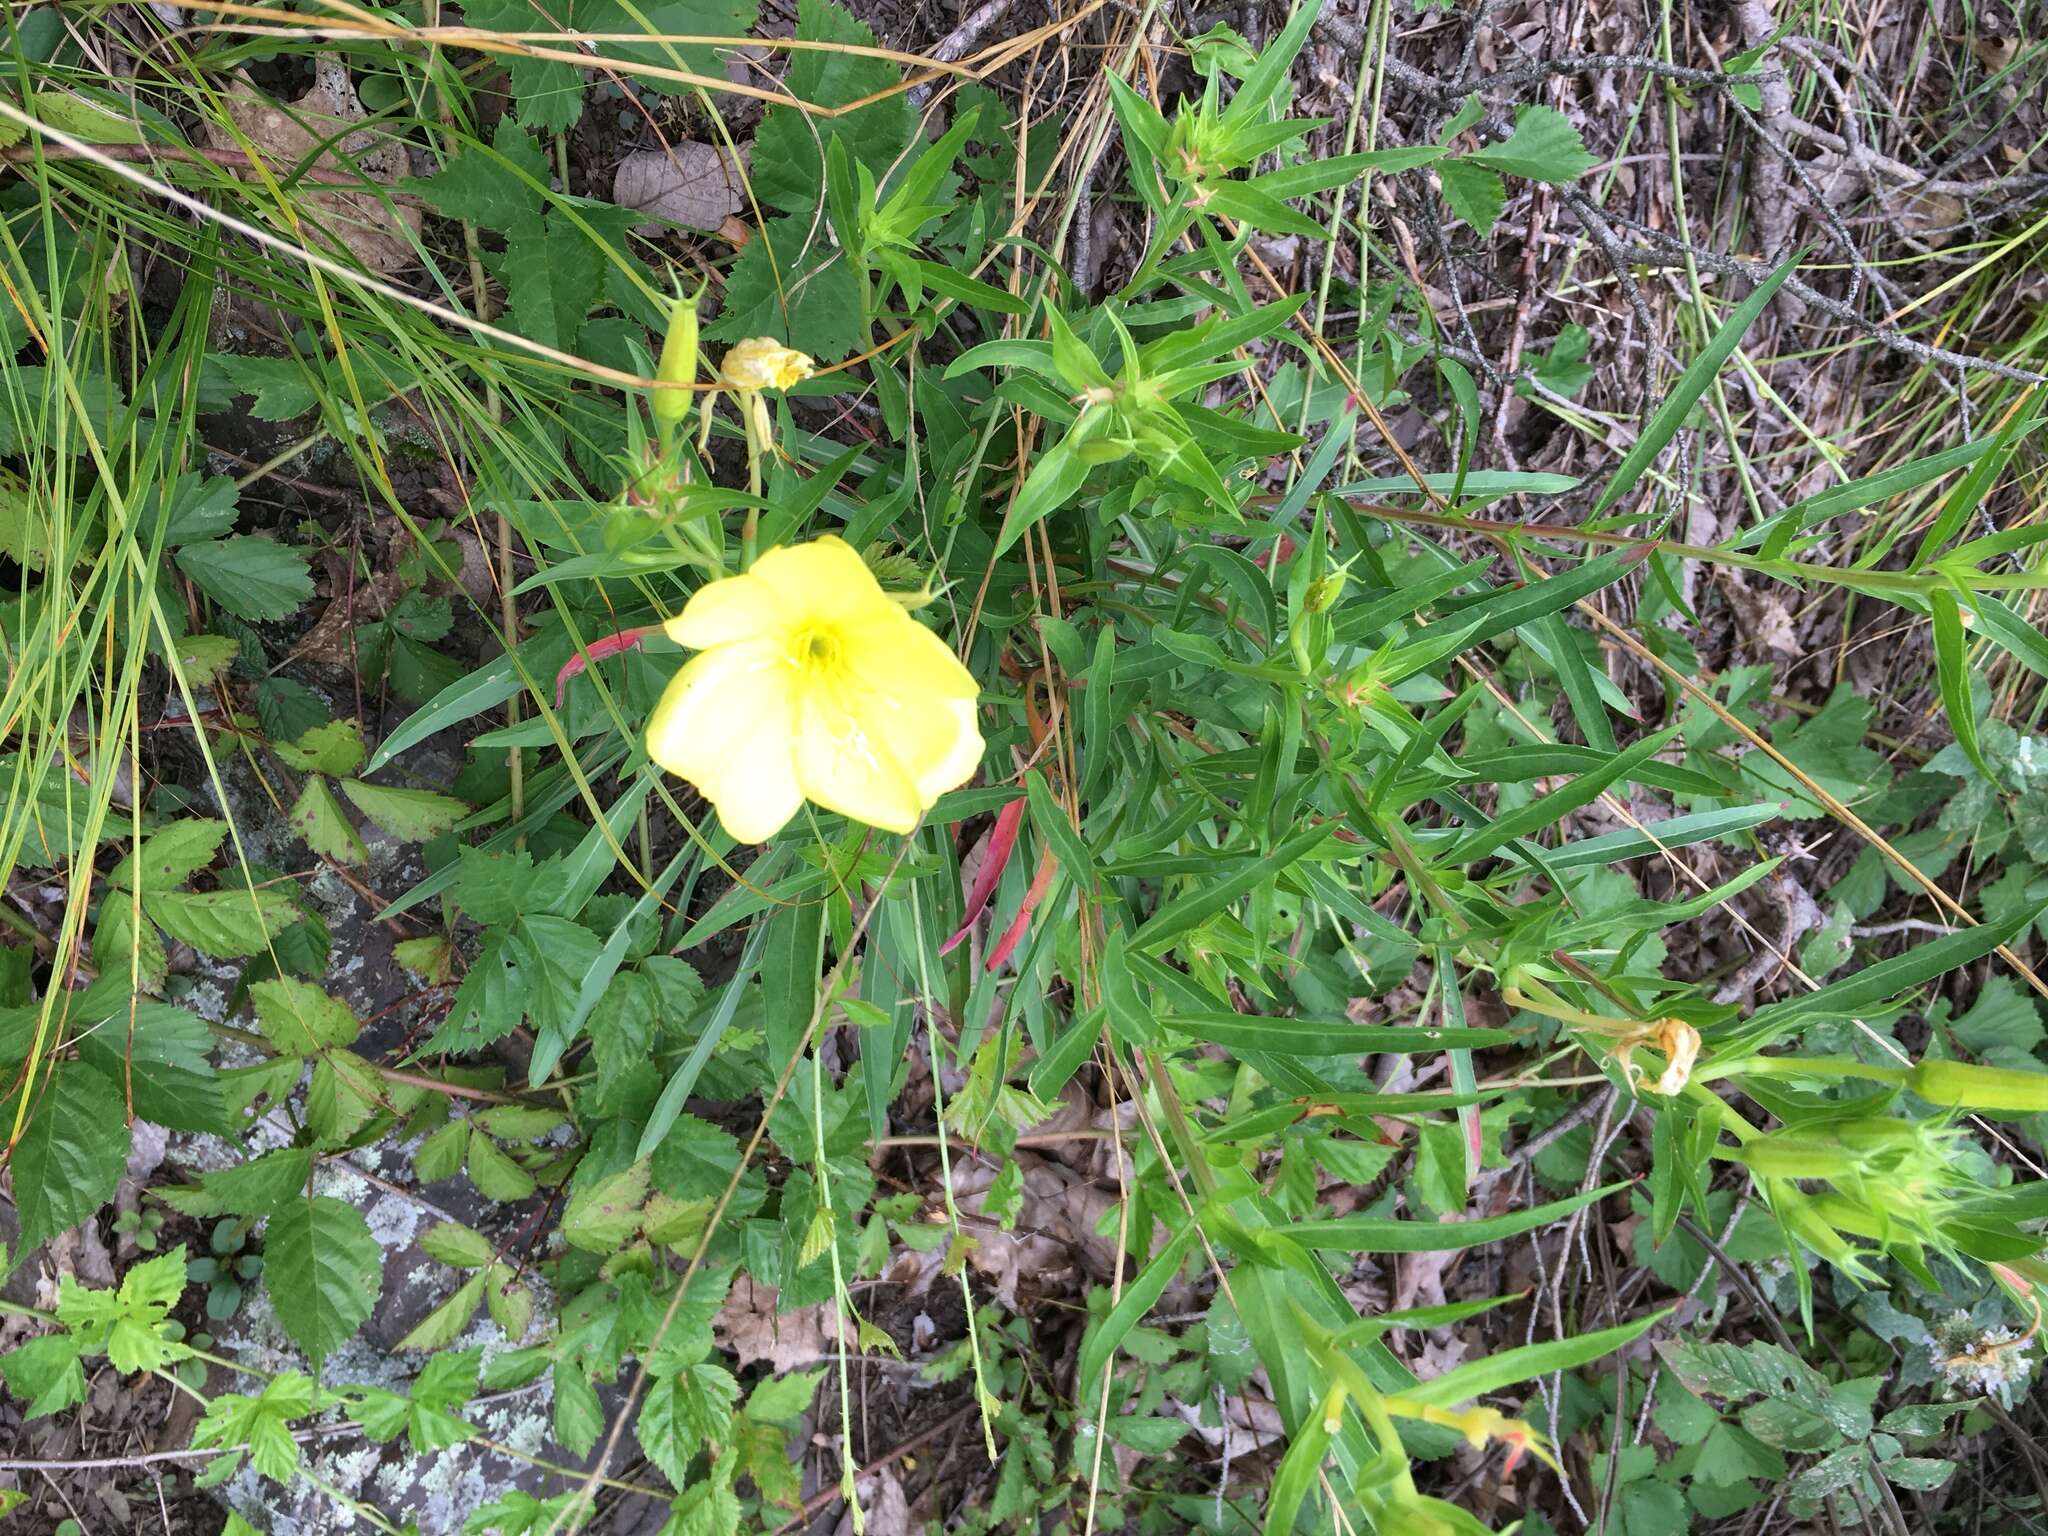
[753, 1329]
[330, 642]
[695, 185]
[372, 227]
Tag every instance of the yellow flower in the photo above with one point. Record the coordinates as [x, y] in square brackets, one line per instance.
[813, 685]
[760, 362]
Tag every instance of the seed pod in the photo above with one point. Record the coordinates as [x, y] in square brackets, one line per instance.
[1962, 1085]
[678, 365]
[1798, 1154]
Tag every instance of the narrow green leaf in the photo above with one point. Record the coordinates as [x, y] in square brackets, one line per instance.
[1196, 907]
[1139, 1298]
[1952, 678]
[1326, 1037]
[1670, 416]
[1050, 819]
[1876, 985]
[1545, 810]
[1387, 1234]
[1506, 1367]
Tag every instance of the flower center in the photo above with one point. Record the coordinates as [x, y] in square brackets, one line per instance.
[816, 649]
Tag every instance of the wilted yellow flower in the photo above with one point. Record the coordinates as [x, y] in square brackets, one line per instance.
[761, 362]
[813, 685]
[1479, 1424]
[1679, 1042]
[758, 363]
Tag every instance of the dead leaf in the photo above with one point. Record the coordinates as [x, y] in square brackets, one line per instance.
[882, 1502]
[695, 185]
[331, 641]
[1995, 53]
[371, 226]
[1766, 623]
[750, 1325]
[1438, 1357]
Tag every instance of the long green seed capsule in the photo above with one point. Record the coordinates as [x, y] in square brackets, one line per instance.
[1797, 1155]
[678, 366]
[1962, 1085]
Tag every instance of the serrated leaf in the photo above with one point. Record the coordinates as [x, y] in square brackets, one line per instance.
[323, 826]
[780, 1399]
[553, 956]
[445, 1324]
[1476, 195]
[675, 18]
[323, 1270]
[411, 815]
[169, 857]
[578, 1417]
[282, 388]
[811, 301]
[342, 1098]
[1543, 147]
[198, 507]
[251, 578]
[682, 1413]
[441, 1155]
[458, 1246]
[486, 186]
[206, 656]
[334, 748]
[163, 1055]
[45, 1374]
[263, 1424]
[432, 959]
[552, 277]
[511, 1303]
[695, 1160]
[547, 95]
[260, 1187]
[301, 1019]
[489, 1003]
[226, 924]
[121, 947]
[786, 168]
[601, 1216]
[494, 1173]
[71, 1153]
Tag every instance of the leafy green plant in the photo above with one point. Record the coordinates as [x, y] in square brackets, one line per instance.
[226, 1268]
[1298, 877]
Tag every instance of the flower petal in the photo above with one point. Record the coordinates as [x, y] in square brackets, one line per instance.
[894, 652]
[725, 723]
[728, 611]
[847, 767]
[824, 581]
[959, 765]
